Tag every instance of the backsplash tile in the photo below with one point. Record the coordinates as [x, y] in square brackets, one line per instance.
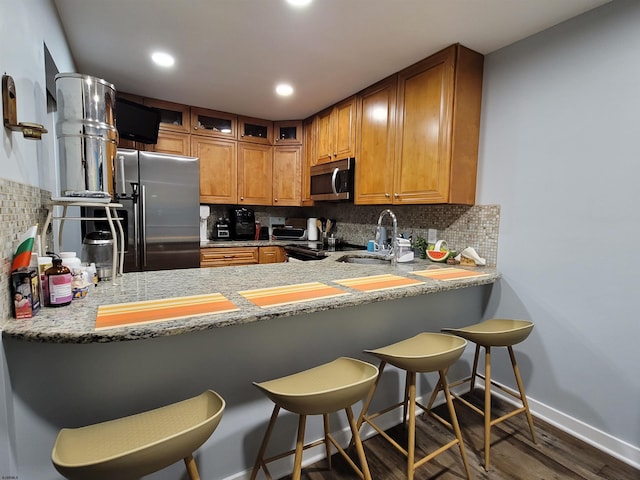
[461, 226]
[21, 206]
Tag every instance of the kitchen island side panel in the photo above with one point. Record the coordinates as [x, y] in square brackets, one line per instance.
[56, 385]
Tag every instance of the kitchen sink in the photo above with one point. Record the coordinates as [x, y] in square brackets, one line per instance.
[366, 260]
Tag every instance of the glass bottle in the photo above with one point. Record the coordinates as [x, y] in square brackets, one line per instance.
[58, 284]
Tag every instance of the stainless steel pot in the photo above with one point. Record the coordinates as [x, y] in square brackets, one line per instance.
[86, 133]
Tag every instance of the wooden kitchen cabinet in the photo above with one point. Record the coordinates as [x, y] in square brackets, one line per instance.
[287, 133]
[212, 123]
[308, 159]
[287, 181]
[171, 142]
[375, 143]
[174, 117]
[438, 124]
[226, 256]
[255, 130]
[255, 174]
[335, 132]
[272, 254]
[218, 169]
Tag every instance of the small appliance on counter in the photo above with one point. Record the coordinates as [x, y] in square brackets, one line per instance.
[243, 223]
[221, 229]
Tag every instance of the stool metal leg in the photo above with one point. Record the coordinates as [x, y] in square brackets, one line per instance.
[327, 444]
[411, 447]
[364, 466]
[297, 462]
[523, 397]
[454, 422]
[487, 406]
[192, 469]
[263, 447]
[474, 370]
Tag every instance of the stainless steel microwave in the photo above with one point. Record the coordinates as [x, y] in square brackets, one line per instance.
[333, 180]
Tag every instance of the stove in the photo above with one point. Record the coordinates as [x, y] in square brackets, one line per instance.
[314, 251]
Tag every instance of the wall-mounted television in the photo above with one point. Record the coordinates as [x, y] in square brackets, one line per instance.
[137, 122]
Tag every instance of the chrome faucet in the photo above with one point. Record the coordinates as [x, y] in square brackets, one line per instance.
[394, 241]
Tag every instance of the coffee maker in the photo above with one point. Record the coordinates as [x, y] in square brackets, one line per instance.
[243, 223]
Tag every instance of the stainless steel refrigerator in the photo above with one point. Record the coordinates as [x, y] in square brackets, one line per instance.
[160, 194]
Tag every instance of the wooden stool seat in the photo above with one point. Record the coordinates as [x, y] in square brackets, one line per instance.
[321, 390]
[137, 445]
[425, 352]
[496, 332]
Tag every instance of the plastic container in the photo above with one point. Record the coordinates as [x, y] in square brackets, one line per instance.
[70, 260]
[58, 285]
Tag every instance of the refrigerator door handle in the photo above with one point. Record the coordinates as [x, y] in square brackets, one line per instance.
[143, 223]
[120, 177]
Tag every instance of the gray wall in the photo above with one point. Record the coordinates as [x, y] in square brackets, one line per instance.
[560, 154]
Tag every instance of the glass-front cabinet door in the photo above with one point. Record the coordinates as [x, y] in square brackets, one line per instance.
[288, 133]
[174, 117]
[213, 123]
[255, 130]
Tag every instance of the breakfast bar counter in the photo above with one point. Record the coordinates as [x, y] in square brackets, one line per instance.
[76, 323]
[264, 321]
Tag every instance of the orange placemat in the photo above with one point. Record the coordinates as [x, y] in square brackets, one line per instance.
[303, 292]
[448, 273]
[134, 313]
[378, 282]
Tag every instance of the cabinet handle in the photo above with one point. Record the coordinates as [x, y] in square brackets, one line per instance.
[396, 195]
[335, 154]
[275, 200]
[387, 195]
[195, 127]
[241, 198]
[329, 155]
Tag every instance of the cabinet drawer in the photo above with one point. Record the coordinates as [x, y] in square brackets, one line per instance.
[225, 256]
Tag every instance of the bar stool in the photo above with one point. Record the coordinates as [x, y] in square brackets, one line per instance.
[321, 390]
[425, 352]
[137, 445]
[493, 333]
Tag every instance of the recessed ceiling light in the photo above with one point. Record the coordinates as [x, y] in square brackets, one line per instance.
[284, 89]
[163, 59]
[299, 3]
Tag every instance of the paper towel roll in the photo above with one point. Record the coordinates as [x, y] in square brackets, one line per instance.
[312, 229]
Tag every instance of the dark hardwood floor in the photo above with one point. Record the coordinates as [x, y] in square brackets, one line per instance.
[514, 456]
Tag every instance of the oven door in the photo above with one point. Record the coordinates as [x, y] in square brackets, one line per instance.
[333, 181]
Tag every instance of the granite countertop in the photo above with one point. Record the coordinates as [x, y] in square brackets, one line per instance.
[75, 323]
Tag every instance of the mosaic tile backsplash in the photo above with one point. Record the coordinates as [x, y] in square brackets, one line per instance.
[460, 225]
[21, 206]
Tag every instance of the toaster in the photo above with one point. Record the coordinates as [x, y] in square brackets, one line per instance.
[221, 229]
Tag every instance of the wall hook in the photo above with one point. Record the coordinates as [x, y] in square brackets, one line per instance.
[10, 113]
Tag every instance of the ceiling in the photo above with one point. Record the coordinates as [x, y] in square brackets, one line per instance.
[230, 54]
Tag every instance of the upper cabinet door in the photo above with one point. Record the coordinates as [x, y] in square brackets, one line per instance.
[287, 133]
[255, 174]
[375, 143]
[287, 165]
[335, 132]
[255, 130]
[174, 117]
[439, 102]
[344, 126]
[212, 123]
[171, 142]
[218, 169]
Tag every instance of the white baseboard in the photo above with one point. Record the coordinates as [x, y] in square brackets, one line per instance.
[609, 444]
